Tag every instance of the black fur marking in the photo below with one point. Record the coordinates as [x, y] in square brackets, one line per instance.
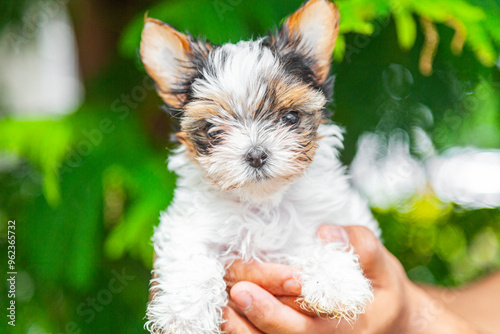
[294, 55]
[328, 91]
[197, 133]
[296, 58]
[193, 69]
[202, 145]
[201, 142]
[174, 112]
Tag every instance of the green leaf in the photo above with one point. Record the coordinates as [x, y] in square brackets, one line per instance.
[406, 28]
[44, 143]
[338, 52]
[478, 40]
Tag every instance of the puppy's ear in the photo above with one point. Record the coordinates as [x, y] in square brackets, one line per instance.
[311, 31]
[169, 58]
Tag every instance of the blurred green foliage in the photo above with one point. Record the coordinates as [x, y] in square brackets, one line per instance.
[86, 190]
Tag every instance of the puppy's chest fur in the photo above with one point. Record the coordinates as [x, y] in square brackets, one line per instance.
[272, 230]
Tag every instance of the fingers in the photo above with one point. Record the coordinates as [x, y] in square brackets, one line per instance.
[267, 313]
[278, 279]
[235, 324]
[372, 254]
[291, 301]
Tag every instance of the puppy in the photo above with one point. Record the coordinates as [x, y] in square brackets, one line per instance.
[258, 170]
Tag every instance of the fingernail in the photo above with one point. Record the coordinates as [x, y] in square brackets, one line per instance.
[333, 233]
[243, 300]
[292, 287]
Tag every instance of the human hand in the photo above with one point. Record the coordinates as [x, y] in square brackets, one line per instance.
[263, 296]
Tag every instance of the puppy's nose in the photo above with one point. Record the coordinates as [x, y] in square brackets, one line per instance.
[256, 157]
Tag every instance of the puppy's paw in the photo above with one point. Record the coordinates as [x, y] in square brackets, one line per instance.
[168, 316]
[332, 304]
[333, 284]
[181, 326]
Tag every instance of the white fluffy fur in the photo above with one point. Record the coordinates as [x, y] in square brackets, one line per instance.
[204, 229]
[238, 73]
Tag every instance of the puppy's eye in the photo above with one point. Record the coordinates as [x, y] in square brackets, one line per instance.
[291, 118]
[214, 133]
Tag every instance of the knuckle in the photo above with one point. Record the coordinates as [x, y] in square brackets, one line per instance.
[230, 324]
[264, 313]
[233, 273]
[366, 244]
[226, 328]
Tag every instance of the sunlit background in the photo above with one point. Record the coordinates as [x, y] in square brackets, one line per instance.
[83, 138]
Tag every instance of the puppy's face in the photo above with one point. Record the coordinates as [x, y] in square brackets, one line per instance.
[249, 111]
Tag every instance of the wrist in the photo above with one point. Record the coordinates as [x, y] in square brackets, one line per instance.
[425, 314]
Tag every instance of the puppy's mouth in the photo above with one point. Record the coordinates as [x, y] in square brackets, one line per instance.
[259, 175]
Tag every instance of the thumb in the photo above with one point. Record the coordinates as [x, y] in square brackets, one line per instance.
[372, 254]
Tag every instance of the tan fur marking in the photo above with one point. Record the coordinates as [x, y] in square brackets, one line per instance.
[184, 140]
[297, 94]
[209, 107]
[169, 30]
[200, 110]
[156, 36]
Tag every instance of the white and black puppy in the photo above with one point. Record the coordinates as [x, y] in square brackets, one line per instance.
[258, 170]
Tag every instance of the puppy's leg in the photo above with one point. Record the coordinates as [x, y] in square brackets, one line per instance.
[189, 291]
[333, 284]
